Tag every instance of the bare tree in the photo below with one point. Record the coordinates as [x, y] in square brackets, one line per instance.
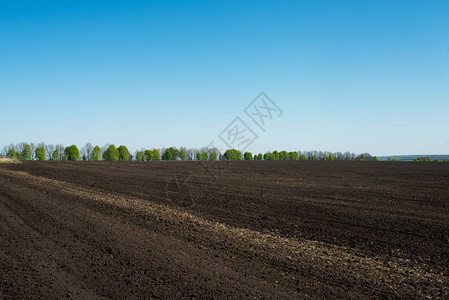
[211, 150]
[190, 153]
[5, 150]
[347, 155]
[338, 156]
[20, 146]
[104, 149]
[49, 149]
[33, 147]
[162, 152]
[321, 155]
[86, 151]
[61, 150]
[366, 156]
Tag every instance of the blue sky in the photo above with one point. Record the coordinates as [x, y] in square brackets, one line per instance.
[363, 76]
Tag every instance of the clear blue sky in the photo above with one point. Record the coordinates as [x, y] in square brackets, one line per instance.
[363, 76]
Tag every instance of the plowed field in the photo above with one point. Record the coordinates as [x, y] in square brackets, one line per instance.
[257, 229]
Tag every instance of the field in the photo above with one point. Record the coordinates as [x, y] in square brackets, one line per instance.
[9, 161]
[257, 229]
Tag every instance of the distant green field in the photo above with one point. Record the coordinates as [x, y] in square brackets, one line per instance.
[412, 157]
[9, 161]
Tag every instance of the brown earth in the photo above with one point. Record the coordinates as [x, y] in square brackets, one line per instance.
[247, 230]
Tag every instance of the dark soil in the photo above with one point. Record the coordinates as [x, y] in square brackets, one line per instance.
[242, 230]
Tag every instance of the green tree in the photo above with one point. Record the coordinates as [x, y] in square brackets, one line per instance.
[72, 153]
[214, 156]
[123, 153]
[156, 154]
[204, 156]
[111, 154]
[269, 156]
[55, 155]
[182, 154]
[276, 155]
[140, 156]
[96, 154]
[283, 155]
[376, 159]
[331, 157]
[174, 153]
[232, 154]
[12, 153]
[199, 156]
[293, 155]
[168, 155]
[26, 152]
[303, 157]
[247, 156]
[40, 153]
[149, 155]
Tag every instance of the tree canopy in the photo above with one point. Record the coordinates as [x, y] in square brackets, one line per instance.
[40, 153]
[55, 155]
[140, 156]
[71, 153]
[182, 154]
[26, 152]
[248, 156]
[214, 156]
[204, 156]
[168, 155]
[96, 154]
[156, 154]
[232, 154]
[123, 153]
[12, 153]
[149, 155]
[111, 154]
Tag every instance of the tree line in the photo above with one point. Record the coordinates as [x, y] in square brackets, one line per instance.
[426, 159]
[109, 152]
